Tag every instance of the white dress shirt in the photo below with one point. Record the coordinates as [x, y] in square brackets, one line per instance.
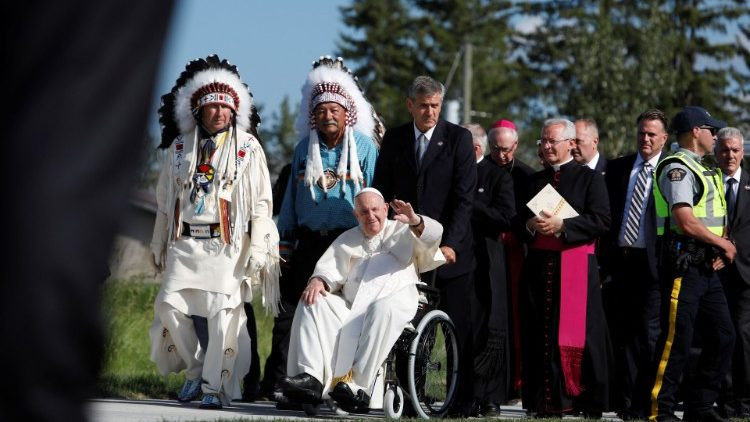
[594, 161]
[735, 176]
[641, 241]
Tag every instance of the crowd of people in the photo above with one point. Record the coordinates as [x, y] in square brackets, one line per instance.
[594, 311]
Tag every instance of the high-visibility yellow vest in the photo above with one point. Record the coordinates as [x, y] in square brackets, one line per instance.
[710, 209]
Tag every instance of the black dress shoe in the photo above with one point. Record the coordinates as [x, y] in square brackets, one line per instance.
[591, 414]
[286, 404]
[489, 410]
[631, 415]
[668, 418]
[302, 388]
[347, 400]
[710, 416]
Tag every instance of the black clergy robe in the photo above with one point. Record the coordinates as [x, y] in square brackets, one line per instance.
[492, 213]
[515, 252]
[544, 384]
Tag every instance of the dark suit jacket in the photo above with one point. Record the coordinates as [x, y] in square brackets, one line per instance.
[739, 228]
[442, 187]
[584, 190]
[617, 179]
[601, 165]
[493, 202]
[520, 172]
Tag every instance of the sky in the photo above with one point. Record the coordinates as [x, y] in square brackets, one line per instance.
[273, 44]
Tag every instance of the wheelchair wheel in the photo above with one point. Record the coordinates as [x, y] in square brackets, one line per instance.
[433, 365]
[393, 403]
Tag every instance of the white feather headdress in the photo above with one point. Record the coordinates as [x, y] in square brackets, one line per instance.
[205, 81]
[330, 80]
[211, 81]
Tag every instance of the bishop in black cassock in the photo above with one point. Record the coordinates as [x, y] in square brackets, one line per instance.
[564, 332]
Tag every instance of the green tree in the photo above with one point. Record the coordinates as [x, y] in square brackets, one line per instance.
[611, 60]
[280, 139]
[384, 54]
[397, 40]
[496, 85]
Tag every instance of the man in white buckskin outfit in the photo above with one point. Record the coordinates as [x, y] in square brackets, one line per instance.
[358, 301]
[214, 236]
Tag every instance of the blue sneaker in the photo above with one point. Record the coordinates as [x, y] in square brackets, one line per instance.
[190, 390]
[210, 401]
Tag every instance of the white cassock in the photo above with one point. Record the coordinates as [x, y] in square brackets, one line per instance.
[347, 334]
[208, 277]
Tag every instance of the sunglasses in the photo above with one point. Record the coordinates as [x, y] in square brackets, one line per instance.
[711, 129]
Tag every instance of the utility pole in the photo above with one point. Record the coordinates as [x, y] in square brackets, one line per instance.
[467, 82]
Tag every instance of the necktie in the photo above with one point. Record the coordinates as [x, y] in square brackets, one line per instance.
[636, 205]
[421, 147]
[730, 197]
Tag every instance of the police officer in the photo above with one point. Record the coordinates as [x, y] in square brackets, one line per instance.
[691, 217]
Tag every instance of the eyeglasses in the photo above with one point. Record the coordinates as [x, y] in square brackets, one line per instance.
[552, 141]
[711, 129]
[496, 148]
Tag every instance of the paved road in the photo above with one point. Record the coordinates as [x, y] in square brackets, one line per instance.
[115, 410]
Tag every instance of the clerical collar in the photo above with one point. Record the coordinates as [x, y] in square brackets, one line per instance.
[479, 160]
[373, 244]
[556, 167]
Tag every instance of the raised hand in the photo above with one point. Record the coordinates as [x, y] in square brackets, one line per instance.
[404, 213]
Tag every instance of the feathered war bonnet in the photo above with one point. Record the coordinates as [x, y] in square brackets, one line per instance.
[331, 81]
[206, 81]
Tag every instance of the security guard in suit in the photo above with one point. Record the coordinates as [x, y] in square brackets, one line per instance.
[691, 216]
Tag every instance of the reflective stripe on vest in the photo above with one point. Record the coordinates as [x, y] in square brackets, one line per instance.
[711, 209]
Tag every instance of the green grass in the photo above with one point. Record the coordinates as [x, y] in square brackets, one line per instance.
[128, 308]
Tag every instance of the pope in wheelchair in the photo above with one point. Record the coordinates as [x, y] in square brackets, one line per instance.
[360, 297]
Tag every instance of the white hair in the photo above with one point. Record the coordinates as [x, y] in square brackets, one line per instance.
[729, 133]
[477, 135]
[569, 132]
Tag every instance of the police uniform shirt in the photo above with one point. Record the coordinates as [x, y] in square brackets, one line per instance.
[677, 182]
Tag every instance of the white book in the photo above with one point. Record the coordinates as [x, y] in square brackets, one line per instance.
[550, 200]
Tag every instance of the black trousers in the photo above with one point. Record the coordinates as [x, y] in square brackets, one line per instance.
[735, 392]
[310, 247]
[696, 291]
[81, 76]
[631, 303]
[275, 367]
[455, 300]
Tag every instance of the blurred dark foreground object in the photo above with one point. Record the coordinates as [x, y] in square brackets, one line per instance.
[77, 80]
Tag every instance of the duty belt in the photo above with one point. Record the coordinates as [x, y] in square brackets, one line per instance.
[201, 231]
[685, 251]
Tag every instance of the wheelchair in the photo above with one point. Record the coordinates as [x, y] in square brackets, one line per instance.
[420, 375]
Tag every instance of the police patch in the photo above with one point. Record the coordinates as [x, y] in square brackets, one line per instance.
[676, 175]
